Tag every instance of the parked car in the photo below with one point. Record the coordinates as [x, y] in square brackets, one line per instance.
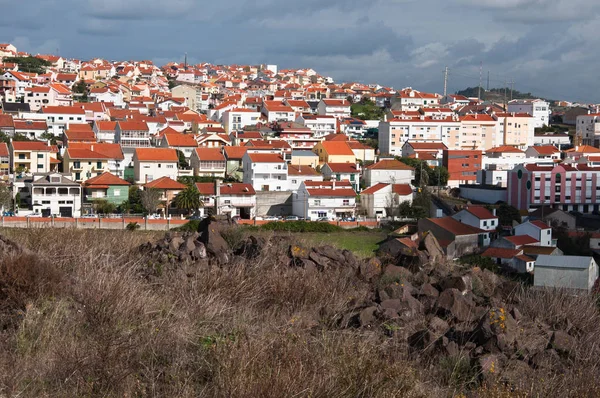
[8, 214]
[35, 215]
[270, 218]
[89, 216]
[323, 219]
[292, 218]
[194, 218]
[154, 217]
[350, 219]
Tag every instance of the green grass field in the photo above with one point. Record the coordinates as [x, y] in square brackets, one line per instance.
[361, 243]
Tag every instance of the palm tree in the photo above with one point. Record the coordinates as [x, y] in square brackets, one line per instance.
[189, 199]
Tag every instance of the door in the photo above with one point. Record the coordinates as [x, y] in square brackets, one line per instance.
[66, 211]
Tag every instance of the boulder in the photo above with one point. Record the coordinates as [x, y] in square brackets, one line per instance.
[321, 261]
[460, 283]
[428, 290]
[175, 243]
[438, 326]
[251, 248]
[331, 253]
[350, 259]
[562, 342]
[188, 245]
[368, 317]
[452, 302]
[199, 252]
[435, 251]
[491, 365]
[422, 339]
[496, 330]
[369, 269]
[393, 272]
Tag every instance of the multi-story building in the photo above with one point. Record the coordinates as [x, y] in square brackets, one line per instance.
[412, 100]
[393, 133]
[32, 157]
[343, 172]
[265, 171]
[113, 154]
[477, 132]
[515, 129]
[324, 200]
[132, 134]
[107, 187]
[338, 108]
[235, 199]
[208, 162]
[497, 162]
[587, 130]
[58, 118]
[296, 135]
[153, 163]
[185, 143]
[388, 171]
[236, 119]
[4, 160]
[539, 109]
[547, 153]
[32, 129]
[83, 164]
[334, 152]
[105, 130]
[381, 200]
[320, 125]
[275, 111]
[462, 166]
[563, 186]
[51, 194]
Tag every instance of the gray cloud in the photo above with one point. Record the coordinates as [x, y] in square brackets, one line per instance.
[547, 46]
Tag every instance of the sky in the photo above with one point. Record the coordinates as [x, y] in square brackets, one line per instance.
[547, 47]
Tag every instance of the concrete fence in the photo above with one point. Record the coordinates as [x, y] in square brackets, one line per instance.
[89, 223]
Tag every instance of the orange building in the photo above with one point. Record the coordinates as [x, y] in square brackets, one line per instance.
[462, 166]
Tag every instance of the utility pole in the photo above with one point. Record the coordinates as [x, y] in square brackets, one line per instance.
[480, 76]
[445, 81]
[488, 82]
[185, 62]
[505, 107]
[512, 86]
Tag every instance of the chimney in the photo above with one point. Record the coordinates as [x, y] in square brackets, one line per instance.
[333, 186]
[494, 212]
[92, 148]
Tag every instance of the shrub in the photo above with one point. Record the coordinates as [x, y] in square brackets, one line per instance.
[132, 226]
[190, 226]
[302, 226]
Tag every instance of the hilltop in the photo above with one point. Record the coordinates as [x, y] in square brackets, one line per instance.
[496, 94]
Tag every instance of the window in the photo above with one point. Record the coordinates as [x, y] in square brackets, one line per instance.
[346, 202]
[40, 166]
[170, 166]
[548, 232]
[117, 192]
[40, 156]
[485, 223]
[78, 176]
[21, 156]
[98, 165]
[159, 165]
[317, 202]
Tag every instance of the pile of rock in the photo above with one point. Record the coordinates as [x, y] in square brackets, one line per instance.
[176, 247]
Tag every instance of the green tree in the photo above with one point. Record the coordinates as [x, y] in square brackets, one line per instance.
[102, 206]
[29, 64]
[182, 161]
[134, 204]
[5, 196]
[366, 109]
[189, 199]
[507, 214]
[438, 176]
[81, 88]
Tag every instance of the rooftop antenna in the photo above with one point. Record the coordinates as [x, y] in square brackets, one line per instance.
[185, 62]
[479, 88]
[445, 81]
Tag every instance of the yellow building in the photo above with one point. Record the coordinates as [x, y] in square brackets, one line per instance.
[33, 157]
[83, 163]
[334, 152]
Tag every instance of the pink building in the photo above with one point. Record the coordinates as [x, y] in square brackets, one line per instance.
[563, 186]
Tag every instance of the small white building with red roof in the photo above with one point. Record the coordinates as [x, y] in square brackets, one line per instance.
[319, 200]
[381, 200]
[479, 217]
[538, 230]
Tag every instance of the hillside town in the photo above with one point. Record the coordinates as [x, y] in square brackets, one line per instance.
[84, 139]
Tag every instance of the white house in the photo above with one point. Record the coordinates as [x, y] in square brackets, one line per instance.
[544, 152]
[108, 94]
[298, 174]
[265, 171]
[238, 118]
[343, 172]
[324, 200]
[59, 118]
[338, 108]
[236, 199]
[153, 163]
[105, 130]
[478, 217]
[275, 111]
[538, 230]
[55, 194]
[567, 272]
[381, 198]
[208, 162]
[388, 171]
[186, 143]
[539, 109]
[320, 125]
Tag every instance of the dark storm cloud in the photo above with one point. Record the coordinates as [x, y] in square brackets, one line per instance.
[392, 42]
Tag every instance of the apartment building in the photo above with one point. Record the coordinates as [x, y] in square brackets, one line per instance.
[208, 162]
[329, 200]
[462, 166]
[32, 157]
[265, 171]
[321, 125]
[537, 108]
[338, 108]
[83, 164]
[153, 163]
[515, 129]
[236, 119]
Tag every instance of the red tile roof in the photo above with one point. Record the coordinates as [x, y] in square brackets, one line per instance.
[3, 149]
[133, 126]
[302, 171]
[337, 148]
[336, 102]
[343, 167]
[180, 140]
[110, 150]
[81, 153]
[455, 227]
[540, 224]
[497, 252]
[105, 125]
[504, 149]
[30, 125]
[402, 189]
[431, 146]
[210, 154]
[235, 152]
[62, 110]
[156, 154]
[521, 240]
[165, 183]
[389, 164]
[81, 136]
[481, 212]
[337, 192]
[266, 158]
[30, 146]
[104, 179]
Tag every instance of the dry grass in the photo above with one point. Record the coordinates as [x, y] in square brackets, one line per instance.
[83, 321]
